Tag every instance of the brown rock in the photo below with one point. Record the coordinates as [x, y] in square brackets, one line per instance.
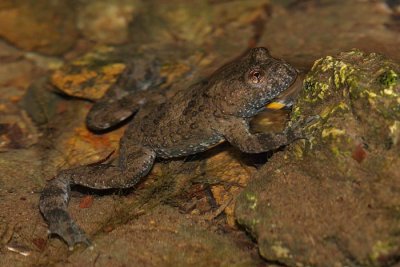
[44, 26]
[106, 21]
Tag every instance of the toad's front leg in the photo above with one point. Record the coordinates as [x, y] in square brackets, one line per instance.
[236, 132]
[134, 162]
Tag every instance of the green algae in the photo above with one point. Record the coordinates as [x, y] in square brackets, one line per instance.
[395, 132]
[335, 110]
[346, 86]
[342, 73]
[316, 90]
[280, 251]
[332, 132]
[389, 79]
[380, 250]
[252, 200]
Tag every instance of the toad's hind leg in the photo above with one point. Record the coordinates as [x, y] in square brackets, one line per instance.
[110, 111]
[134, 163]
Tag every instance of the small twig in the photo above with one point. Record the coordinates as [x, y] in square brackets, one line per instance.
[221, 209]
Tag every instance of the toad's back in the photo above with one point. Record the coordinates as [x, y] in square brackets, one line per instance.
[184, 125]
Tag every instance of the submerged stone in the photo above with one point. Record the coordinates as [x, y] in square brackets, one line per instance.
[43, 26]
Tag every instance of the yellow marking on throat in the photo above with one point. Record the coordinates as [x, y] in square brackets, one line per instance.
[275, 105]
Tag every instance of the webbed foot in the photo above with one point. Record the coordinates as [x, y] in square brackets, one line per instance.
[61, 224]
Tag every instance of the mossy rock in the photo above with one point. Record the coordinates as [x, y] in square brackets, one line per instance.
[334, 199]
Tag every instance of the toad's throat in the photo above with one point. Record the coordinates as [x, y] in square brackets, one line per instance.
[287, 98]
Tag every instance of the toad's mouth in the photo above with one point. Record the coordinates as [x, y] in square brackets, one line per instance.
[288, 97]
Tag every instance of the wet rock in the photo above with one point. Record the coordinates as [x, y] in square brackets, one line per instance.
[17, 71]
[44, 26]
[181, 37]
[333, 200]
[89, 76]
[308, 30]
[16, 128]
[163, 237]
[226, 28]
[106, 22]
[14, 70]
[8, 52]
[16, 131]
[39, 102]
[227, 176]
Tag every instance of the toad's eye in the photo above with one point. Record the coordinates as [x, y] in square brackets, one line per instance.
[256, 76]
